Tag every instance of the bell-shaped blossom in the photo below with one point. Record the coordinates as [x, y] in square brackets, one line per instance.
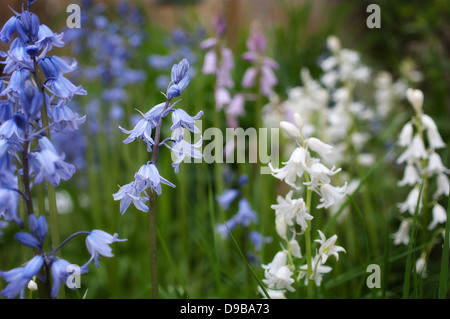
[9, 201]
[61, 269]
[411, 201]
[181, 119]
[415, 97]
[47, 39]
[401, 236]
[439, 216]
[320, 174]
[434, 138]
[149, 174]
[421, 266]
[143, 128]
[8, 29]
[38, 226]
[318, 270]
[443, 185]
[328, 247]
[416, 150]
[244, 217]
[97, 243]
[16, 81]
[319, 147]
[294, 167]
[227, 197]
[28, 27]
[131, 193]
[49, 165]
[18, 278]
[180, 79]
[411, 176]
[292, 210]
[258, 239]
[435, 165]
[183, 149]
[406, 134]
[277, 273]
[329, 194]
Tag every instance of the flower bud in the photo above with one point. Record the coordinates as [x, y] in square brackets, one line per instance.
[415, 97]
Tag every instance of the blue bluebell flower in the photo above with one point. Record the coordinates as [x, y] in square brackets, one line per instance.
[182, 149]
[131, 193]
[27, 27]
[245, 215]
[28, 240]
[227, 197]
[179, 71]
[180, 79]
[59, 275]
[181, 119]
[49, 165]
[6, 110]
[38, 227]
[16, 82]
[47, 39]
[10, 130]
[17, 57]
[9, 200]
[18, 278]
[61, 271]
[54, 68]
[258, 239]
[149, 174]
[143, 128]
[97, 243]
[66, 118]
[31, 100]
[8, 29]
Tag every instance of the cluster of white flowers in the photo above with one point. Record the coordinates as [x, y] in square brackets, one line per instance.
[333, 111]
[423, 165]
[293, 214]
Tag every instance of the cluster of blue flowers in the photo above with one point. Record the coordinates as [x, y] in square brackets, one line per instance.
[244, 217]
[34, 103]
[148, 175]
[108, 63]
[180, 44]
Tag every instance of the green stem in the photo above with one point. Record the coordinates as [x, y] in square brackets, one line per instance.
[152, 212]
[308, 241]
[51, 193]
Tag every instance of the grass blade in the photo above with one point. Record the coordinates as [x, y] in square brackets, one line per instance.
[248, 265]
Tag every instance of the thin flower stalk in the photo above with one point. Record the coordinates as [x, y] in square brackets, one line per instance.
[148, 178]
